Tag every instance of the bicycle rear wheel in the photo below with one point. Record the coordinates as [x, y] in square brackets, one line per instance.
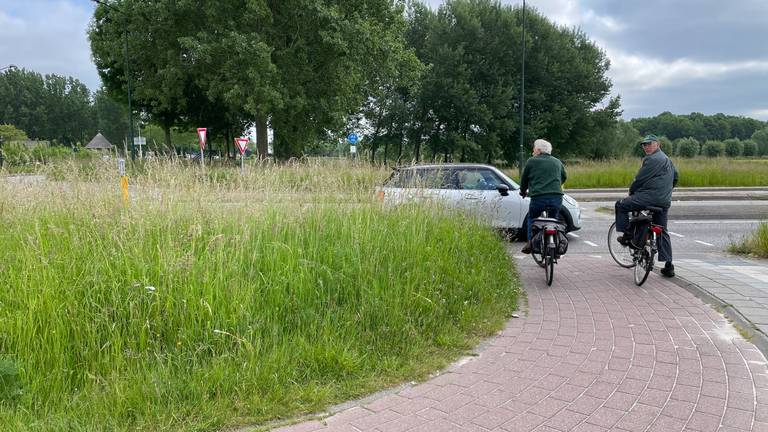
[549, 265]
[644, 265]
[620, 253]
[539, 256]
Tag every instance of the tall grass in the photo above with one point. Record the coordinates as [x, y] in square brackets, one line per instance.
[755, 244]
[218, 299]
[699, 172]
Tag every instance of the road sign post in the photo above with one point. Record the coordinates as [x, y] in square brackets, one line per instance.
[201, 135]
[352, 138]
[242, 145]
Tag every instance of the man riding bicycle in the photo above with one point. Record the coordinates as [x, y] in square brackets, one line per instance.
[542, 180]
[652, 187]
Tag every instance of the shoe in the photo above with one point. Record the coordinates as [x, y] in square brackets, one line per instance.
[625, 240]
[526, 248]
[668, 270]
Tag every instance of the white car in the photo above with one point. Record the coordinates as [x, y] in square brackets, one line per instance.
[480, 189]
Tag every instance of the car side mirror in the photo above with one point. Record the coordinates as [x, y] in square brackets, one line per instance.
[503, 189]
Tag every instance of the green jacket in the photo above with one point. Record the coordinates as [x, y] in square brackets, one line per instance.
[543, 175]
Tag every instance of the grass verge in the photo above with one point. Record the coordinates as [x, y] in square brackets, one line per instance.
[756, 244]
[698, 172]
[207, 304]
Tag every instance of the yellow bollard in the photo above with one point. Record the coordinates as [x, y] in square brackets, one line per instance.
[123, 179]
[124, 188]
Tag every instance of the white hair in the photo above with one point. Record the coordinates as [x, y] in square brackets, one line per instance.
[544, 146]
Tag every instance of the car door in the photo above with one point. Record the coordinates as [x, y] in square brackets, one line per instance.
[479, 194]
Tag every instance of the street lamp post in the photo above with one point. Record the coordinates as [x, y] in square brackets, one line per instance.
[522, 94]
[127, 76]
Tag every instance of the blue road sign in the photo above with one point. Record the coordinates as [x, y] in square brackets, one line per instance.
[352, 138]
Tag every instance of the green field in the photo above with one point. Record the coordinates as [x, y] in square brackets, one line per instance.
[698, 172]
[218, 299]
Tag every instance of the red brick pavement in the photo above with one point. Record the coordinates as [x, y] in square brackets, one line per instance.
[593, 352]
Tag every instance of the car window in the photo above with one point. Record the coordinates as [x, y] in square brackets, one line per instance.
[427, 178]
[478, 179]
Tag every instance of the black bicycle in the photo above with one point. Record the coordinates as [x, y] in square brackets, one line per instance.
[545, 243]
[641, 251]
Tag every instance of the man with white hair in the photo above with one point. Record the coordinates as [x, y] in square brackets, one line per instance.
[542, 180]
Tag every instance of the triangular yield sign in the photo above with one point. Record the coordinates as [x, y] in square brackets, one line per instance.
[201, 135]
[242, 144]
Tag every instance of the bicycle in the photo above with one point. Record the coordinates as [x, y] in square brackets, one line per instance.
[545, 253]
[639, 254]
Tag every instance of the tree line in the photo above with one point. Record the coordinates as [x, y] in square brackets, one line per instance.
[58, 109]
[415, 83]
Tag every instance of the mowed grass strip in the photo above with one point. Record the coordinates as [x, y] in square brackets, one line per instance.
[174, 314]
[698, 172]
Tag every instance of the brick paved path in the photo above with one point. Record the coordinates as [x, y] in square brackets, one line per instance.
[592, 353]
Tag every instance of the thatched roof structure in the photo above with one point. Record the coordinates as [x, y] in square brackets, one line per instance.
[99, 142]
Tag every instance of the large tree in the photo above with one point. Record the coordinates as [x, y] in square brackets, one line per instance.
[473, 51]
[297, 65]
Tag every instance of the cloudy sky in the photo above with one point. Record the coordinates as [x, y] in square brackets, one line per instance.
[666, 55]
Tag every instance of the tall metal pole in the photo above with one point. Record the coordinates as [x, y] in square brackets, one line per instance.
[127, 74]
[130, 110]
[522, 94]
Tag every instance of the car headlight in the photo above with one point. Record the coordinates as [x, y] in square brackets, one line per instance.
[569, 200]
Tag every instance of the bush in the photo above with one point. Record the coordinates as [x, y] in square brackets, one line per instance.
[667, 146]
[713, 148]
[761, 138]
[733, 147]
[750, 148]
[11, 133]
[687, 147]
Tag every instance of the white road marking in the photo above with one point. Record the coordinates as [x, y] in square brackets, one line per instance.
[573, 235]
[675, 234]
[590, 243]
[595, 256]
[704, 243]
[520, 256]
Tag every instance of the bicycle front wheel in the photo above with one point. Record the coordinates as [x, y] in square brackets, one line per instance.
[549, 265]
[620, 253]
[644, 265]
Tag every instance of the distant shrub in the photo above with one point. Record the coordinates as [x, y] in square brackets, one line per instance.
[713, 148]
[733, 147]
[688, 147]
[750, 148]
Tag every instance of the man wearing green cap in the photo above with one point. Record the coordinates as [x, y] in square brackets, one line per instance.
[652, 187]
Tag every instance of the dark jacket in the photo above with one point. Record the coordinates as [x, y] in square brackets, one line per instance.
[543, 175]
[654, 182]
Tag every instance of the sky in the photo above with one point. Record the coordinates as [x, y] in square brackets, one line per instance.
[681, 56]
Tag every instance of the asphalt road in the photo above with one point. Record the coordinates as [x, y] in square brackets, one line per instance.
[705, 228]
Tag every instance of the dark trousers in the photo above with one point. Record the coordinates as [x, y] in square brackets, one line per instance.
[541, 203]
[629, 204]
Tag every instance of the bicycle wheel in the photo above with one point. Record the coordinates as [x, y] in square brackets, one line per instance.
[620, 253]
[644, 265]
[539, 256]
[549, 265]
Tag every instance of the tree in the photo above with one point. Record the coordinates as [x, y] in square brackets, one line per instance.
[471, 89]
[687, 147]
[111, 117]
[750, 148]
[733, 147]
[11, 133]
[761, 138]
[713, 148]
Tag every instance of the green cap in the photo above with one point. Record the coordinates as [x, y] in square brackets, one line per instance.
[649, 138]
